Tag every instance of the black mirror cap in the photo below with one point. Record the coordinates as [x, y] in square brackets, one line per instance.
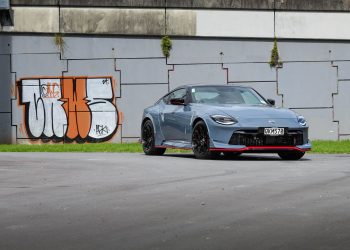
[177, 101]
[271, 101]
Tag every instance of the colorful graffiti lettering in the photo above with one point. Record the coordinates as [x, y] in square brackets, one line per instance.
[69, 108]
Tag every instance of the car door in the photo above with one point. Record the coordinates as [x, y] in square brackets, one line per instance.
[175, 119]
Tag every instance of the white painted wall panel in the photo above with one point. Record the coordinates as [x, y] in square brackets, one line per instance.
[235, 23]
[132, 103]
[197, 74]
[243, 72]
[341, 107]
[312, 25]
[321, 124]
[307, 85]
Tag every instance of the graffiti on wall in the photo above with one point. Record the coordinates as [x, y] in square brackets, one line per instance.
[78, 109]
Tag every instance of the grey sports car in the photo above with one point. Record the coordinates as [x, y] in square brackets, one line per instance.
[215, 119]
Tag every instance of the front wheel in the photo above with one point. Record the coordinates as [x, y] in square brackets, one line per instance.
[201, 142]
[148, 140]
[291, 155]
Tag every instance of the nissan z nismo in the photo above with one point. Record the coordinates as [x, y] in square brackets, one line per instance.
[222, 119]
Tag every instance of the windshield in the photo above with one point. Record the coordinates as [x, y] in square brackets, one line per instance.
[226, 95]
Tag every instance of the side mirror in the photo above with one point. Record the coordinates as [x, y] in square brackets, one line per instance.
[271, 101]
[177, 101]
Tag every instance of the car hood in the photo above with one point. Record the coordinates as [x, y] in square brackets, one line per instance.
[250, 111]
[254, 115]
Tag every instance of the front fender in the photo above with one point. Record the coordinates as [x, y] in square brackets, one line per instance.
[154, 117]
[209, 123]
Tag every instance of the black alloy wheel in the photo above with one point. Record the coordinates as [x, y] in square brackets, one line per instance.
[201, 142]
[148, 141]
[294, 155]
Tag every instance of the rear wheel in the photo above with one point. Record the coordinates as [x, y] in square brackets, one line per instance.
[201, 142]
[148, 140]
[291, 155]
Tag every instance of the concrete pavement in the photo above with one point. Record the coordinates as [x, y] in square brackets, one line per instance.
[132, 201]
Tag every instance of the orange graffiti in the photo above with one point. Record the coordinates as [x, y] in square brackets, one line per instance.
[80, 109]
[22, 129]
[75, 105]
[49, 90]
[13, 90]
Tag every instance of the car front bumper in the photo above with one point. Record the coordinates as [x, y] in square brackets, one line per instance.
[251, 139]
[258, 149]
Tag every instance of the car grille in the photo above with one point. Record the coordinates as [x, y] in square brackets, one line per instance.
[257, 138]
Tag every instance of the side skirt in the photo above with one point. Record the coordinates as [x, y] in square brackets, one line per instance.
[176, 144]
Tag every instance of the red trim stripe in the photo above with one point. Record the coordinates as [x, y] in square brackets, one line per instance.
[250, 148]
[257, 148]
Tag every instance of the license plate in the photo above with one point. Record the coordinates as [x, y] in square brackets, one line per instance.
[273, 131]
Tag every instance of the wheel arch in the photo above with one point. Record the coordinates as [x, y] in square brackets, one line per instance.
[145, 119]
[198, 119]
[157, 132]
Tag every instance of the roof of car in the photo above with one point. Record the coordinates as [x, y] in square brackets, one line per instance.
[210, 85]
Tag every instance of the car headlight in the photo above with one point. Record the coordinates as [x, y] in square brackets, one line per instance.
[223, 119]
[301, 120]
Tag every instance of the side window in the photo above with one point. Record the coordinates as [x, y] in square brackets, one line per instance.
[180, 93]
[250, 98]
[166, 99]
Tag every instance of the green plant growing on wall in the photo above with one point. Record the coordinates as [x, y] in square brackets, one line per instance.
[275, 59]
[166, 45]
[59, 42]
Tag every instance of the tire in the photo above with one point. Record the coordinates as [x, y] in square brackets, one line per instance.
[201, 142]
[148, 141]
[231, 154]
[291, 155]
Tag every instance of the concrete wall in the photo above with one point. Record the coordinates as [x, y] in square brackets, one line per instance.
[313, 81]
[110, 66]
[309, 5]
[181, 22]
